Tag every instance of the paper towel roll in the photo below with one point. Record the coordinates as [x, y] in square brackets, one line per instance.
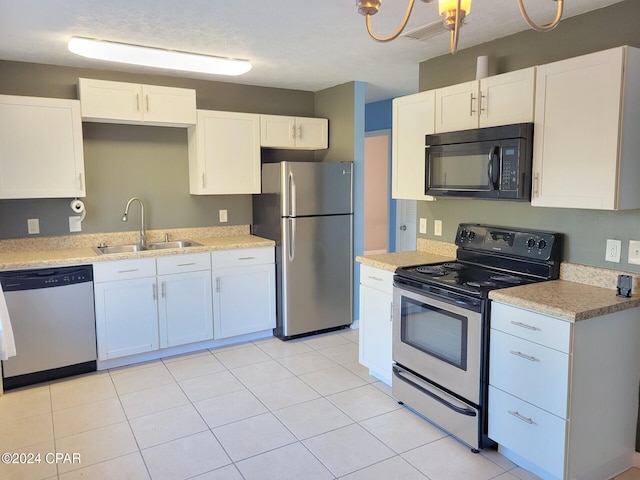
[77, 206]
[482, 67]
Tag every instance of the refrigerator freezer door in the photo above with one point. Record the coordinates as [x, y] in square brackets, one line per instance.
[316, 271]
[316, 188]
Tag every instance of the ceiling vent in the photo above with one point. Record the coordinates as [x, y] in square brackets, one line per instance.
[425, 32]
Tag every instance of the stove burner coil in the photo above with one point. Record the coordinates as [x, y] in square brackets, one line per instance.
[453, 266]
[432, 269]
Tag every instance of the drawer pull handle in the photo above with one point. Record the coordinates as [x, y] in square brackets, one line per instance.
[246, 258]
[521, 417]
[128, 271]
[524, 325]
[377, 279]
[522, 355]
[186, 264]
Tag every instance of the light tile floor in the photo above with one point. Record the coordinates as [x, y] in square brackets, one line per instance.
[303, 409]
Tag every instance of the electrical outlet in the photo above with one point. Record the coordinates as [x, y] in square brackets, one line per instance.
[437, 228]
[613, 251]
[33, 226]
[75, 225]
[634, 252]
[423, 225]
[223, 216]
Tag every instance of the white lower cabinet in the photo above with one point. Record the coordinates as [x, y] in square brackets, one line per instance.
[243, 291]
[185, 302]
[376, 300]
[126, 307]
[563, 396]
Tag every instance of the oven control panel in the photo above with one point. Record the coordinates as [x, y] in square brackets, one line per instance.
[534, 244]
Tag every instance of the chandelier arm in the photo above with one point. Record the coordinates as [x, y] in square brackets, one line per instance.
[397, 32]
[453, 45]
[541, 28]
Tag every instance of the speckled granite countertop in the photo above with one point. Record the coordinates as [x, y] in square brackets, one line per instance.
[78, 249]
[582, 292]
[566, 300]
[429, 251]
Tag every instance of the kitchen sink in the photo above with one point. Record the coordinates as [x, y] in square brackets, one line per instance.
[174, 244]
[119, 248]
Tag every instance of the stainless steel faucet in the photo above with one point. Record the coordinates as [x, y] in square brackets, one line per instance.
[143, 236]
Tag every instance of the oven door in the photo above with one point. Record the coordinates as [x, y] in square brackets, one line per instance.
[438, 340]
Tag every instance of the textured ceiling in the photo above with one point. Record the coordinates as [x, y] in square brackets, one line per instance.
[292, 44]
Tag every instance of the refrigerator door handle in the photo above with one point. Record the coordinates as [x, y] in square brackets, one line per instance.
[292, 239]
[292, 195]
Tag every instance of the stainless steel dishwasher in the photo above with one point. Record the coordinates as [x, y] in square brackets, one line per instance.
[53, 319]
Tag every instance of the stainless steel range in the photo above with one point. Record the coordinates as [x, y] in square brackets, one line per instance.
[441, 318]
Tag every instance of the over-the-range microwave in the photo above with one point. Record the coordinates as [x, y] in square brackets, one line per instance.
[490, 163]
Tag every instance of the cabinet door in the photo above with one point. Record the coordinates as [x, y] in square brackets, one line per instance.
[312, 133]
[185, 308]
[168, 106]
[277, 131]
[507, 98]
[457, 107]
[126, 317]
[110, 102]
[375, 332]
[577, 123]
[413, 118]
[243, 300]
[224, 153]
[41, 152]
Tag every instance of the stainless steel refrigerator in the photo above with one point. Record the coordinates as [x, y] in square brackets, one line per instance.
[307, 209]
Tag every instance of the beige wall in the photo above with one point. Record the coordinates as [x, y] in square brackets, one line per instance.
[376, 193]
[586, 230]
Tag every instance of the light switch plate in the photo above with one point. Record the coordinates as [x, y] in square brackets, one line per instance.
[437, 228]
[634, 252]
[423, 225]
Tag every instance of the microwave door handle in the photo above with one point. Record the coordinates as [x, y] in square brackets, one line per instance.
[492, 167]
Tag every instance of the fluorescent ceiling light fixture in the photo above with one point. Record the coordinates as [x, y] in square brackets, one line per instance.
[156, 57]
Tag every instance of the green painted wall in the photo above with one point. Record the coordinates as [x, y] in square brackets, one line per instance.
[586, 230]
[122, 161]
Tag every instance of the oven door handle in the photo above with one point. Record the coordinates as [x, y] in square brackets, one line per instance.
[461, 410]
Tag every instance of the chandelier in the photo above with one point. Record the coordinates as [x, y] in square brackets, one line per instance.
[453, 12]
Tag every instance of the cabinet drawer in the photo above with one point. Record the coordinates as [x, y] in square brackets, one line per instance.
[377, 278]
[538, 328]
[528, 431]
[124, 269]
[535, 373]
[183, 263]
[241, 257]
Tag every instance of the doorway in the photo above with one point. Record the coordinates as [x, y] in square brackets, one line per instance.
[376, 192]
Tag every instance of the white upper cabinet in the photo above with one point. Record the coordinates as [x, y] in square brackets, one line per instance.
[413, 118]
[224, 153]
[118, 102]
[41, 153]
[498, 100]
[301, 133]
[586, 142]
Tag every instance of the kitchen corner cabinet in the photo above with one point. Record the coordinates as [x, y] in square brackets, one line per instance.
[413, 118]
[376, 302]
[41, 152]
[563, 396]
[243, 291]
[497, 100]
[126, 307]
[301, 133]
[184, 299]
[131, 103]
[586, 144]
[224, 153]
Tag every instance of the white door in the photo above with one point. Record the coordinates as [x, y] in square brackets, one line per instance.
[406, 213]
